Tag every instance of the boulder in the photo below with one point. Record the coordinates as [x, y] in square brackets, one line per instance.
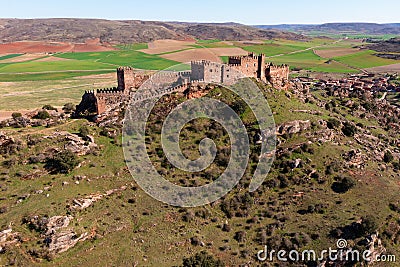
[293, 127]
[7, 238]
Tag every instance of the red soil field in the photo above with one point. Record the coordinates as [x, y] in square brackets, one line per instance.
[53, 47]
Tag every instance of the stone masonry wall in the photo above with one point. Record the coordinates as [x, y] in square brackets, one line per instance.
[128, 78]
[251, 65]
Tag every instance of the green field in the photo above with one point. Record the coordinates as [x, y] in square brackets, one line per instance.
[137, 46]
[365, 59]
[48, 76]
[9, 56]
[310, 61]
[351, 35]
[270, 49]
[81, 64]
[298, 54]
[132, 58]
[63, 65]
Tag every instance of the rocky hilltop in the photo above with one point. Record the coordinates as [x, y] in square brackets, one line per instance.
[128, 31]
[68, 197]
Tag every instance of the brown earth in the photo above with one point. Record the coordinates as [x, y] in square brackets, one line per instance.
[335, 52]
[386, 68]
[51, 47]
[212, 54]
[23, 58]
[167, 45]
[5, 114]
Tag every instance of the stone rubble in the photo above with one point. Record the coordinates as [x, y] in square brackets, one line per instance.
[83, 203]
[7, 238]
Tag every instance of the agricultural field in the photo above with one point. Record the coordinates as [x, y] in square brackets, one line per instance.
[364, 59]
[8, 56]
[134, 58]
[22, 95]
[29, 74]
[161, 54]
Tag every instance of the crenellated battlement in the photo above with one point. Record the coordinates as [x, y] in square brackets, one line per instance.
[204, 63]
[202, 71]
[113, 90]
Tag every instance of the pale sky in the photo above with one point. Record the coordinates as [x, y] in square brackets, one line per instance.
[249, 12]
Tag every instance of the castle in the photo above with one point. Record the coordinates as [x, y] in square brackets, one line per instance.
[252, 65]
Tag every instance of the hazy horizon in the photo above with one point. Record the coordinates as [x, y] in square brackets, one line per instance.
[249, 12]
[222, 22]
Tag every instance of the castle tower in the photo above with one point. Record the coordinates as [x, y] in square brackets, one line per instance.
[126, 78]
[261, 67]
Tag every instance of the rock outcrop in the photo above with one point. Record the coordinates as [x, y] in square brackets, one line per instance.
[8, 238]
[293, 127]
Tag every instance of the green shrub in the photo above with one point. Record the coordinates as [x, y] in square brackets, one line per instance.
[369, 225]
[49, 107]
[69, 108]
[84, 131]
[16, 115]
[343, 184]
[349, 129]
[333, 123]
[388, 157]
[42, 115]
[62, 162]
[202, 259]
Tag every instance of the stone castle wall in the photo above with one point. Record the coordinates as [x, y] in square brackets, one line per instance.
[128, 78]
[252, 65]
[278, 76]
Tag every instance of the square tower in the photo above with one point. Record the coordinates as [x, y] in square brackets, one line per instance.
[126, 78]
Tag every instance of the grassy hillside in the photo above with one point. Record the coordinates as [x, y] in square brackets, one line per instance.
[294, 208]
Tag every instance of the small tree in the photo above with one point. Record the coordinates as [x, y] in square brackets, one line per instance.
[202, 259]
[16, 115]
[42, 115]
[69, 108]
[84, 131]
[62, 162]
[49, 107]
[349, 129]
[240, 236]
[343, 184]
[333, 123]
[369, 225]
[388, 157]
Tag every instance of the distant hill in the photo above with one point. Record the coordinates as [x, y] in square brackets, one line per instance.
[391, 46]
[338, 28]
[128, 31]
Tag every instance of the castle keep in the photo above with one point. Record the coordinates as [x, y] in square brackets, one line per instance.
[252, 65]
